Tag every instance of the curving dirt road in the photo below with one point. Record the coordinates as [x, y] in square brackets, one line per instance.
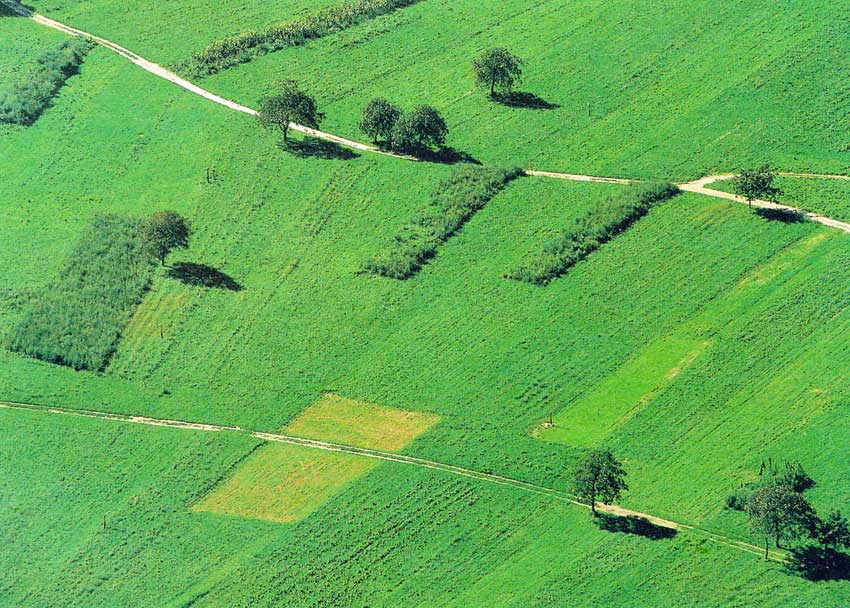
[398, 458]
[699, 187]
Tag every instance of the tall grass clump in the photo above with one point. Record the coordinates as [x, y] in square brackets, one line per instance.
[30, 96]
[456, 200]
[601, 224]
[242, 48]
[79, 318]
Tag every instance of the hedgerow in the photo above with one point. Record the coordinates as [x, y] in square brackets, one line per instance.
[456, 200]
[242, 48]
[614, 215]
[78, 319]
[29, 97]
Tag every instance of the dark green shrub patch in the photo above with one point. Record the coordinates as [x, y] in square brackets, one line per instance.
[614, 215]
[29, 97]
[78, 319]
[242, 48]
[456, 200]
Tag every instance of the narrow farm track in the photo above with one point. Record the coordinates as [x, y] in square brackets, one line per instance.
[697, 186]
[327, 446]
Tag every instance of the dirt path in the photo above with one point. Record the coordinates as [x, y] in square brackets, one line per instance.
[699, 186]
[165, 74]
[398, 458]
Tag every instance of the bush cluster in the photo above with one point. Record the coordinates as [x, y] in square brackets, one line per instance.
[78, 319]
[456, 199]
[242, 48]
[29, 97]
[614, 215]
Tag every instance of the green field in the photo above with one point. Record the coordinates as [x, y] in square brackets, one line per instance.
[700, 342]
[829, 197]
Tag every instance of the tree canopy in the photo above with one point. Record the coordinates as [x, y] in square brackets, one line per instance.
[753, 184]
[497, 68]
[423, 127]
[379, 118]
[778, 512]
[599, 476]
[164, 231]
[289, 105]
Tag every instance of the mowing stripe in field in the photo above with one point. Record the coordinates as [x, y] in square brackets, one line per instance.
[317, 444]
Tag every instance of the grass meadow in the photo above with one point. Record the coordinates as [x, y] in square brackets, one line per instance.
[829, 197]
[696, 344]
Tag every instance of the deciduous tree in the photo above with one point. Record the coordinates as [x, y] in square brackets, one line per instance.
[422, 127]
[753, 184]
[379, 118]
[778, 512]
[497, 68]
[290, 105]
[164, 231]
[599, 475]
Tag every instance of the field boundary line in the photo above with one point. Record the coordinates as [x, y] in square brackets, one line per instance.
[328, 446]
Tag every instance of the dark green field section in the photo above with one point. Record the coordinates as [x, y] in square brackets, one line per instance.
[78, 318]
[698, 343]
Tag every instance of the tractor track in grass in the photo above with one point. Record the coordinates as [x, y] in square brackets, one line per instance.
[696, 186]
[328, 446]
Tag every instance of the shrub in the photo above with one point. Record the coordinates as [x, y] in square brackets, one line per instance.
[456, 200]
[601, 224]
[242, 48]
[28, 98]
[78, 319]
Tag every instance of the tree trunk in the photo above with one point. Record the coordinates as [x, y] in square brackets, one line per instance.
[492, 88]
[766, 545]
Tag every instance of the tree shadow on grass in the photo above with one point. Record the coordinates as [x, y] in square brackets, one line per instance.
[786, 216]
[201, 275]
[631, 524]
[313, 147]
[816, 563]
[523, 99]
[445, 156]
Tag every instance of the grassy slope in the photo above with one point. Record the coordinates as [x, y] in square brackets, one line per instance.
[674, 88]
[165, 32]
[830, 197]
[491, 356]
[394, 538]
[668, 90]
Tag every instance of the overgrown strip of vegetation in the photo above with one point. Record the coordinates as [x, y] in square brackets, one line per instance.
[28, 98]
[79, 318]
[242, 48]
[601, 224]
[456, 200]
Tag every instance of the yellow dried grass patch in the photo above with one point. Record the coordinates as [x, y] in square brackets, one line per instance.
[365, 425]
[284, 483]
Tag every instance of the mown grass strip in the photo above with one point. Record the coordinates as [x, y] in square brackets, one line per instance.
[28, 98]
[242, 48]
[601, 224]
[79, 318]
[456, 200]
